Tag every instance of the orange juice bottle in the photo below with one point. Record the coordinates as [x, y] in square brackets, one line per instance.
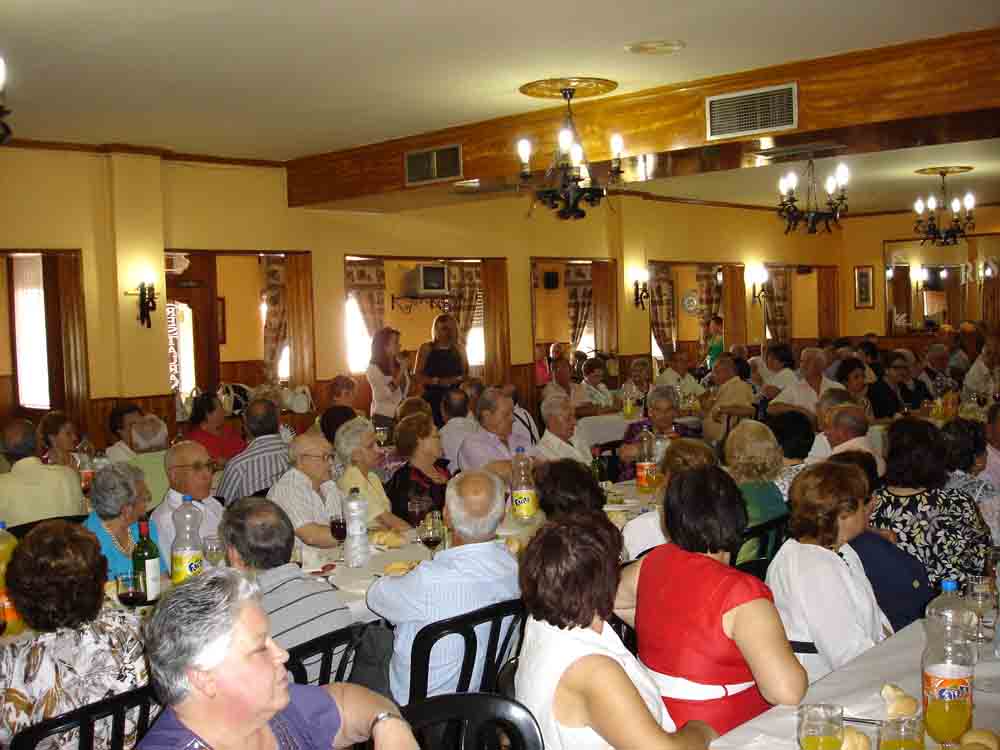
[948, 666]
[13, 624]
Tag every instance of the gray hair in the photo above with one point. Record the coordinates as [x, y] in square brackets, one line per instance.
[809, 352]
[261, 417]
[489, 400]
[663, 393]
[349, 437]
[149, 434]
[834, 397]
[114, 487]
[476, 528]
[192, 628]
[554, 405]
[852, 419]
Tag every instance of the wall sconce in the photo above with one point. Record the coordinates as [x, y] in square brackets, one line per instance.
[147, 302]
[889, 273]
[758, 278]
[920, 275]
[641, 285]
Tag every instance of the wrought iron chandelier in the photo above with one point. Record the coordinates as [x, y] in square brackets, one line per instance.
[934, 229]
[812, 216]
[568, 181]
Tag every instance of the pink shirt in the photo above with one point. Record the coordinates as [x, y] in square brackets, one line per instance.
[483, 447]
[992, 471]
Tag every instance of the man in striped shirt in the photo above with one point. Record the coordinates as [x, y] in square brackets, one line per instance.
[260, 464]
[259, 537]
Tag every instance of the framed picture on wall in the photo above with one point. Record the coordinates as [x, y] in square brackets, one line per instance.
[864, 286]
[220, 306]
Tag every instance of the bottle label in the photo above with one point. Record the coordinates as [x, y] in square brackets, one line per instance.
[356, 525]
[151, 579]
[645, 475]
[185, 564]
[525, 503]
[947, 682]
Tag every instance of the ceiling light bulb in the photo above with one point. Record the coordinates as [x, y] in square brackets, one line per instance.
[843, 175]
[956, 205]
[524, 150]
[831, 184]
[889, 273]
[783, 185]
[565, 139]
[970, 201]
[919, 206]
[944, 273]
[576, 154]
[3, 74]
[617, 146]
[792, 180]
[931, 203]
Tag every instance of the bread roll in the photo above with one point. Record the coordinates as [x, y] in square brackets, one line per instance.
[983, 737]
[903, 707]
[400, 567]
[855, 740]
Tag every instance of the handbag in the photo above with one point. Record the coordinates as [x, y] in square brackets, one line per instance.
[372, 644]
[235, 397]
[298, 400]
[184, 404]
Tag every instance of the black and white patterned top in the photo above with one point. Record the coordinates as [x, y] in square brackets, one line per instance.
[942, 528]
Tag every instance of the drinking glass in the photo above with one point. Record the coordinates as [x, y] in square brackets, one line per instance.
[904, 733]
[430, 532]
[981, 596]
[382, 436]
[3, 616]
[417, 507]
[820, 726]
[130, 592]
[215, 553]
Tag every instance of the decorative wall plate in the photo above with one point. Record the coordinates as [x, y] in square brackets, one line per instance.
[689, 302]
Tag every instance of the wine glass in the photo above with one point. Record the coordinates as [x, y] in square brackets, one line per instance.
[903, 733]
[820, 726]
[215, 553]
[382, 436]
[981, 596]
[130, 591]
[430, 532]
[418, 505]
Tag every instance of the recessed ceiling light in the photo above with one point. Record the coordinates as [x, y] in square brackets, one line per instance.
[656, 47]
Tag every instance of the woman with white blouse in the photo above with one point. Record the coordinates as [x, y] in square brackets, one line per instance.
[822, 594]
[387, 377]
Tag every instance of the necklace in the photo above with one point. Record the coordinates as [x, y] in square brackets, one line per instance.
[118, 545]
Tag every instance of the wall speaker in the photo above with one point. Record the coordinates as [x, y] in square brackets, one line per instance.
[550, 280]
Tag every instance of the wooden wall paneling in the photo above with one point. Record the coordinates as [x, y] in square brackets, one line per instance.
[604, 285]
[842, 91]
[99, 409]
[496, 322]
[249, 372]
[991, 302]
[734, 304]
[828, 311]
[523, 378]
[299, 284]
[8, 397]
[955, 293]
[73, 332]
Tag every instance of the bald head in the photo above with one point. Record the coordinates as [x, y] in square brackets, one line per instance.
[474, 504]
[189, 469]
[312, 454]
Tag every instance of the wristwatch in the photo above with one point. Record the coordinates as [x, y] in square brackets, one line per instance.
[382, 716]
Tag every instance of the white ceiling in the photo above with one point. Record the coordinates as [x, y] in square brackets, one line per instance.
[267, 79]
[882, 181]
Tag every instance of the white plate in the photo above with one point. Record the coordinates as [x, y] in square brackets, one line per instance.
[628, 505]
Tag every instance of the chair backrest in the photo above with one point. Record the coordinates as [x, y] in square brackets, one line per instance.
[770, 535]
[497, 646]
[85, 718]
[478, 715]
[21, 530]
[341, 642]
[505, 678]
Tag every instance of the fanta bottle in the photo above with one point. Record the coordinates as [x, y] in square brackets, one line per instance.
[12, 623]
[186, 554]
[948, 664]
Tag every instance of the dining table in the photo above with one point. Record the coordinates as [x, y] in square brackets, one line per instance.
[857, 687]
[605, 428]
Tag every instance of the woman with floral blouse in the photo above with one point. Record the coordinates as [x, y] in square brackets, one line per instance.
[941, 527]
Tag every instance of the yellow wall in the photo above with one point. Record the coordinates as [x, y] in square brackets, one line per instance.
[240, 281]
[414, 327]
[551, 305]
[805, 315]
[688, 328]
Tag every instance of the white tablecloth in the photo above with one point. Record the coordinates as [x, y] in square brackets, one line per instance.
[353, 583]
[604, 428]
[856, 687]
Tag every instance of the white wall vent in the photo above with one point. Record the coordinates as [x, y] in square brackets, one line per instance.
[763, 110]
[433, 165]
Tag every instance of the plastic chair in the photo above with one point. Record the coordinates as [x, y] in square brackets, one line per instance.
[477, 717]
[342, 641]
[21, 530]
[770, 535]
[505, 678]
[84, 719]
[497, 650]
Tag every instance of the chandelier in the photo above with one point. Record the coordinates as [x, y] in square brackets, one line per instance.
[811, 216]
[934, 230]
[568, 181]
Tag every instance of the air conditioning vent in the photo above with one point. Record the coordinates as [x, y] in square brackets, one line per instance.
[433, 165]
[750, 112]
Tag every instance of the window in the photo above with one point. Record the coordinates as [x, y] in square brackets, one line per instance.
[359, 342]
[475, 342]
[655, 348]
[285, 364]
[29, 330]
[587, 344]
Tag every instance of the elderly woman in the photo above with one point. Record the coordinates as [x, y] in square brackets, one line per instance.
[120, 423]
[661, 408]
[851, 375]
[646, 531]
[640, 380]
[356, 450]
[423, 478]
[709, 633]
[207, 425]
[912, 389]
[595, 398]
[566, 486]
[820, 588]
[573, 667]
[57, 439]
[885, 394]
[940, 527]
[224, 682]
[118, 496]
[79, 653]
[560, 439]
[965, 451]
[754, 460]
[413, 405]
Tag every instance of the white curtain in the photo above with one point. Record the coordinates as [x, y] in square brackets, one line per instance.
[29, 330]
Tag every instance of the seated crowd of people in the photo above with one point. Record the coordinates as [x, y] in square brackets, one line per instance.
[717, 640]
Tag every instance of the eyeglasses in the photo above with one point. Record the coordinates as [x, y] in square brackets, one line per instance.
[209, 466]
[320, 456]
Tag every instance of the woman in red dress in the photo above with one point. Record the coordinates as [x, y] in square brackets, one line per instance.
[709, 634]
[208, 427]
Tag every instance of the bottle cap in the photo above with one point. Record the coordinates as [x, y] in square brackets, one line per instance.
[187, 499]
[144, 527]
[949, 586]
[519, 451]
[3, 524]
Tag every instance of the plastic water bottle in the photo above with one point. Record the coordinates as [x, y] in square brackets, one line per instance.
[523, 496]
[645, 466]
[948, 665]
[186, 554]
[356, 550]
[950, 610]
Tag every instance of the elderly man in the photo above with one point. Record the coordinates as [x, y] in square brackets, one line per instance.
[495, 444]
[524, 423]
[189, 471]
[472, 573]
[821, 448]
[259, 465]
[562, 381]
[31, 490]
[307, 492]
[935, 375]
[457, 424]
[677, 374]
[223, 680]
[734, 399]
[559, 440]
[259, 539]
[983, 377]
[849, 432]
[150, 439]
[803, 395]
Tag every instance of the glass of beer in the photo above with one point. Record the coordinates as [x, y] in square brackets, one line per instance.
[820, 726]
[903, 733]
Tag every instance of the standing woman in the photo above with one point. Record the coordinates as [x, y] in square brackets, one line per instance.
[388, 378]
[441, 363]
[714, 342]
